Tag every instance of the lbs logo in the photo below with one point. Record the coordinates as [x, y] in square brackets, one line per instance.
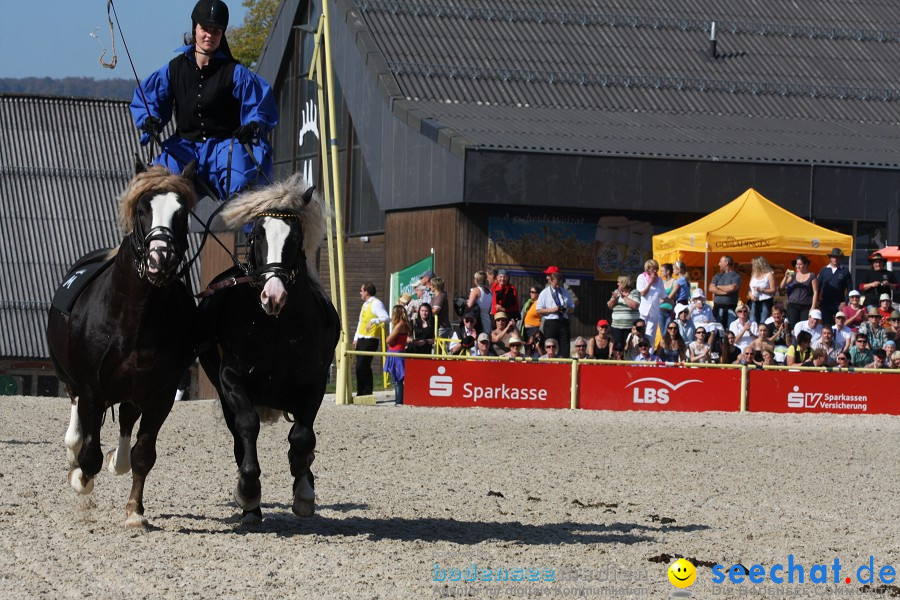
[440, 385]
[657, 393]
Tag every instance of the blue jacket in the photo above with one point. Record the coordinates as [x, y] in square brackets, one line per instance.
[208, 105]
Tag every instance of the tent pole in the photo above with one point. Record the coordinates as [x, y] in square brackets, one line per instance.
[706, 270]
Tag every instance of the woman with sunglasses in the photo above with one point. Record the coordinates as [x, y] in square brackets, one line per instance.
[698, 350]
[599, 346]
[843, 361]
[671, 347]
[802, 290]
[744, 330]
[532, 320]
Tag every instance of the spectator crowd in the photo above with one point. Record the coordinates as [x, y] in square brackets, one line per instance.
[805, 319]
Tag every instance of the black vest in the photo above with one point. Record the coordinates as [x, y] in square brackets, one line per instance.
[205, 106]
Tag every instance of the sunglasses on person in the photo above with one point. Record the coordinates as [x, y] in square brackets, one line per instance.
[874, 316]
[842, 357]
[672, 328]
[581, 345]
[533, 292]
[549, 345]
[701, 333]
[603, 326]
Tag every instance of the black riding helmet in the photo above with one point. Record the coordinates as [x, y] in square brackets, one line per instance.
[211, 13]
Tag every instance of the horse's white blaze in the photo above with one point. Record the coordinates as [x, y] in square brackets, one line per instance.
[73, 435]
[163, 208]
[274, 295]
[119, 460]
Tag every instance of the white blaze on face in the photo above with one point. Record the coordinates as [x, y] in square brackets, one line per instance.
[163, 209]
[274, 295]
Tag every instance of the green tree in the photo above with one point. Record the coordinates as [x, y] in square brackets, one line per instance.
[246, 41]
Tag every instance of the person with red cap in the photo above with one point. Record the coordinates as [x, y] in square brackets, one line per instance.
[600, 345]
[554, 269]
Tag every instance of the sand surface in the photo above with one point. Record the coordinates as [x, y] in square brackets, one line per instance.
[582, 497]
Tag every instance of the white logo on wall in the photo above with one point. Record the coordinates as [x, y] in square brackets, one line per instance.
[655, 394]
[798, 399]
[440, 385]
[826, 400]
[309, 117]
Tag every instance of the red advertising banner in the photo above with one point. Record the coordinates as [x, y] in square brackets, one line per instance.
[817, 392]
[619, 387]
[493, 384]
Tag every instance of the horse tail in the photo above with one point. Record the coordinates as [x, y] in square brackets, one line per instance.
[269, 415]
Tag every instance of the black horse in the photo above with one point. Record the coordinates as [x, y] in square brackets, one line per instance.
[129, 334]
[273, 347]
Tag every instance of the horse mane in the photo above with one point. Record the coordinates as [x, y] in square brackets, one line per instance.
[156, 178]
[285, 195]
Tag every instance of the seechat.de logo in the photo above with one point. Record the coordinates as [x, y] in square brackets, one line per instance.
[655, 390]
[440, 385]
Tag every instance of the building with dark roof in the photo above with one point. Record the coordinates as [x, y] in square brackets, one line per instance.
[63, 164]
[455, 116]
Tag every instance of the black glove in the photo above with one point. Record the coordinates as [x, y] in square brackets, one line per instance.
[247, 134]
[152, 125]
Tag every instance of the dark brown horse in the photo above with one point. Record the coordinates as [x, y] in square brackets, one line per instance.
[129, 335]
[275, 335]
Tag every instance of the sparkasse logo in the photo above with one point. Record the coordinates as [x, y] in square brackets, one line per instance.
[440, 385]
[812, 400]
[656, 394]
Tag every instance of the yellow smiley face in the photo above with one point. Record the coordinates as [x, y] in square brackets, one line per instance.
[682, 573]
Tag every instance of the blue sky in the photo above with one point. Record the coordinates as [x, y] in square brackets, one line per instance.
[51, 38]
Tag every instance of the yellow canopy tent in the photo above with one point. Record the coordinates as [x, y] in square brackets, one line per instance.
[748, 226]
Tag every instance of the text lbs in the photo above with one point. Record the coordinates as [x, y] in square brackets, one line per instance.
[651, 396]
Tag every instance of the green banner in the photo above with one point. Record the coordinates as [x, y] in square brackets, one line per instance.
[403, 280]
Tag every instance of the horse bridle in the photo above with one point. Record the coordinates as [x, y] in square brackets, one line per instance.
[140, 246]
[286, 273]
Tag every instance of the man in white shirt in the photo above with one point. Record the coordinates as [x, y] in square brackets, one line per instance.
[813, 325]
[843, 335]
[372, 316]
[555, 305]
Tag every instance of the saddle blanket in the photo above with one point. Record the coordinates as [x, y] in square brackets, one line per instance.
[79, 276]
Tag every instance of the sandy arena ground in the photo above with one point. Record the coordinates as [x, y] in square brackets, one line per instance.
[592, 496]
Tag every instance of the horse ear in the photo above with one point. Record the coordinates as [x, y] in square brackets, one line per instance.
[139, 166]
[190, 171]
[307, 195]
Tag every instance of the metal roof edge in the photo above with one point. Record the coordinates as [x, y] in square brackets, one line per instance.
[686, 157]
[272, 55]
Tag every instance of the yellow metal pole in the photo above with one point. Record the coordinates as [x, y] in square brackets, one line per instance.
[385, 379]
[744, 388]
[343, 374]
[315, 74]
[573, 398]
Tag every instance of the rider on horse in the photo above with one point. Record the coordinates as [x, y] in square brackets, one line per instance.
[220, 108]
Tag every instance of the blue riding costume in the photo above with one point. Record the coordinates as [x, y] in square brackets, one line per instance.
[216, 108]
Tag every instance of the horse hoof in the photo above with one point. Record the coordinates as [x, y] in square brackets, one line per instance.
[304, 508]
[136, 521]
[246, 504]
[80, 482]
[251, 516]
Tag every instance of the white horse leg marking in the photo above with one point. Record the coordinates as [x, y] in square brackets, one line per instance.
[118, 460]
[80, 482]
[73, 435]
[136, 521]
[304, 498]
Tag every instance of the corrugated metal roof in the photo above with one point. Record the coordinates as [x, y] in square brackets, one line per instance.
[813, 83]
[63, 164]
